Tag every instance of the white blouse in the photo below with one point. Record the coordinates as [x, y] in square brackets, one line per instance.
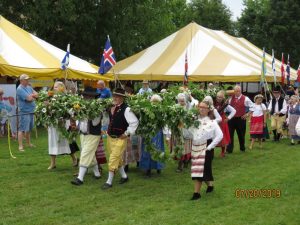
[258, 110]
[208, 129]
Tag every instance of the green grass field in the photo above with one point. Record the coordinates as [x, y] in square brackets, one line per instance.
[30, 194]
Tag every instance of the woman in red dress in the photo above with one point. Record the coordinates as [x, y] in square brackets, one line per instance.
[223, 109]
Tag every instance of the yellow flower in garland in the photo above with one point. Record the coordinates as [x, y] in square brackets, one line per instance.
[76, 106]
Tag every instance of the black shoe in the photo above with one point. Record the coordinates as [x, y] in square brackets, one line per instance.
[148, 173]
[77, 182]
[106, 186]
[158, 171]
[179, 170]
[196, 196]
[209, 189]
[97, 177]
[123, 180]
[126, 168]
[137, 164]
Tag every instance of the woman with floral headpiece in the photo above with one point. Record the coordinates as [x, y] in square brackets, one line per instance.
[205, 138]
[257, 120]
[58, 145]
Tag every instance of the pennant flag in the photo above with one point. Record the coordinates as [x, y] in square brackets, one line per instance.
[298, 73]
[65, 61]
[288, 70]
[108, 58]
[185, 79]
[282, 70]
[263, 68]
[273, 67]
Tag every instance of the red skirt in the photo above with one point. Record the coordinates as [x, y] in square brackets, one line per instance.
[226, 135]
[100, 154]
[257, 125]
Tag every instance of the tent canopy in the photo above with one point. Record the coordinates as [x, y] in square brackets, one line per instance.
[22, 52]
[211, 55]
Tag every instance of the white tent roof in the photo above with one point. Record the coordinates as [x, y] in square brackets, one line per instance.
[212, 56]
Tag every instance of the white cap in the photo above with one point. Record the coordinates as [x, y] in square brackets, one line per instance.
[24, 77]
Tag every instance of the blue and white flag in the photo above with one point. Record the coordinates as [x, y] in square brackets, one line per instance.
[65, 61]
[273, 66]
[108, 58]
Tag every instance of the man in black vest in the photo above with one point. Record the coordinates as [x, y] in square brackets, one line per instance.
[277, 108]
[90, 134]
[122, 124]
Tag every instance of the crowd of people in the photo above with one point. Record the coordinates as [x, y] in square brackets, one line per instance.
[219, 118]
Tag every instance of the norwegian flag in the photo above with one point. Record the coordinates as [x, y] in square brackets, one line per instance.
[108, 58]
[282, 70]
[65, 61]
[185, 79]
[288, 70]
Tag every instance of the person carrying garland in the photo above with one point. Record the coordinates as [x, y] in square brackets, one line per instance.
[122, 124]
[205, 139]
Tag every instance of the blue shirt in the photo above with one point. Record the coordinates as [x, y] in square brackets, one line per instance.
[142, 91]
[5, 107]
[104, 93]
[24, 105]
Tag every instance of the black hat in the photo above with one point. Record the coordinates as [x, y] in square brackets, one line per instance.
[89, 91]
[119, 91]
[276, 89]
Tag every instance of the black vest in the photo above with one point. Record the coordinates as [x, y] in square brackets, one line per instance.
[94, 130]
[117, 122]
[280, 104]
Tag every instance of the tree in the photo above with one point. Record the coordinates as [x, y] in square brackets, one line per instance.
[212, 14]
[274, 24]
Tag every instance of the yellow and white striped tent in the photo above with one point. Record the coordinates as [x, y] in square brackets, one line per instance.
[22, 52]
[212, 56]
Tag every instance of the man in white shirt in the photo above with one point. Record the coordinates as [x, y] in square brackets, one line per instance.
[122, 124]
[277, 108]
[239, 102]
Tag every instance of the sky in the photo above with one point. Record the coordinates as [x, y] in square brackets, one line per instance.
[235, 7]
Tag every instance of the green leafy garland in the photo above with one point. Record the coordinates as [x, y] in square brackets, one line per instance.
[54, 109]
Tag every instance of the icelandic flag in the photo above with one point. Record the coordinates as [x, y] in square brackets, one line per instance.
[282, 70]
[65, 61]
[288, 70]
[185, 79]
[108, 58]
[263, 68]
[273, 66]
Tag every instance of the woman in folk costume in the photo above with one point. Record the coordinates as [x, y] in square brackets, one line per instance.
[133, 150]
[223, 109]
[215, 112]
[205, 138]
[58, 145]
[258, 120]
[187, 145]
[122, 124]
[146, 162]
[293, 117]
[90, 135]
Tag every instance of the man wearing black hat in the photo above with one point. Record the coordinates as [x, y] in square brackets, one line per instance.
[277, 108]
[122, 124]
[90, 134]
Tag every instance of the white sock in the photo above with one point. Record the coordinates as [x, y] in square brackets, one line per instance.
[82, 171]
[110, 177]
[122, 172]
[96, 171]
